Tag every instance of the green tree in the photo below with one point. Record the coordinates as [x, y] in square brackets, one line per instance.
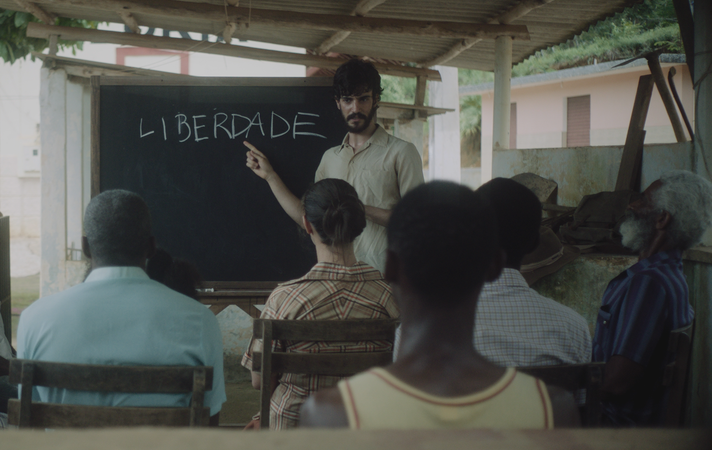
[14, 43]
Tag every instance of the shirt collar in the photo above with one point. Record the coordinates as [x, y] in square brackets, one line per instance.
[660, 258]
[379, 137]
[115, 272]
[330, 271]
[509, 277]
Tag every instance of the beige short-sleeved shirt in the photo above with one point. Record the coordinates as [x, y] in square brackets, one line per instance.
[383, 171]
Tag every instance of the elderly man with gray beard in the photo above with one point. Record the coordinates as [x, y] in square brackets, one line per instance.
[643, 304]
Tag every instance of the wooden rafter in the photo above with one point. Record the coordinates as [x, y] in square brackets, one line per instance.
[363, 7]
[519, 10]
[130, 21]
[36, 11]
[38, 30]
[278, 18]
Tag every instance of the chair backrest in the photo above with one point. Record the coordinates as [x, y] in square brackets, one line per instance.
[337, 364]
[575, 377]
[127, 379]
[675, 374]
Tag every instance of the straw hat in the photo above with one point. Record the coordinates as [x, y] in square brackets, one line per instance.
[550, 256]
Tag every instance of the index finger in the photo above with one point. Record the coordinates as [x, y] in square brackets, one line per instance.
[253, 148]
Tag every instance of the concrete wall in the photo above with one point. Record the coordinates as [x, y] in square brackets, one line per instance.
[541, 109]
[19, 198]
[587, 170]
[581, 283]
[19, 141]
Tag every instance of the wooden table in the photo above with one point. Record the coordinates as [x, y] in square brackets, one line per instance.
[183, 439]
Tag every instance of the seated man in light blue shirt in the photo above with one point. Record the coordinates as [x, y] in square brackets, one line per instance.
[120, 316]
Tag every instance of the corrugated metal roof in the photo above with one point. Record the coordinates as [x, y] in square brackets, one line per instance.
[551, 23]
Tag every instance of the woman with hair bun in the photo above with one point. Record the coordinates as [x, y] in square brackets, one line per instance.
[338, 287]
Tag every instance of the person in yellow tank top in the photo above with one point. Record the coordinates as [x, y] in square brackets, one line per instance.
[442, 247]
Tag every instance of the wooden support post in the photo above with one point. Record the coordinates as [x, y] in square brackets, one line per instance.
[631, 161]
[659, 77]
[53, 38]
[130, 21]
[502, 92]
[420, 86]
[266, 375]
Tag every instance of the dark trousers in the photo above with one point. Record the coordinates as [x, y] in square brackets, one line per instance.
[7, 391]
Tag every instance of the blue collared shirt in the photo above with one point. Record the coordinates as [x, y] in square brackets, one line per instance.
[640, 307]
[119, 316]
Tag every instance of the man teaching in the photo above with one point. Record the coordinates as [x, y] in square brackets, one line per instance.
[381, 168]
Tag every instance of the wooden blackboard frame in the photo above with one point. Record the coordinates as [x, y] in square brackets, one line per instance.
[95, 150]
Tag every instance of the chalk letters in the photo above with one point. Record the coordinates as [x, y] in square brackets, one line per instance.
[182, 120]
[304, 133]
[183, 131]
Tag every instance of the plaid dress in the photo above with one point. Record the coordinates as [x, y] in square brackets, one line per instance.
[327, 292]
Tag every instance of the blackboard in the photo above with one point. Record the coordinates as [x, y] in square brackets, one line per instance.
[179, 145]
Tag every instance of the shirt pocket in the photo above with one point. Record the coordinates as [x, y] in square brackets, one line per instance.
[382, 186]
[604, 316]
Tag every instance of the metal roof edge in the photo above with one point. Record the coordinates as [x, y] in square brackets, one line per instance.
[574, 72]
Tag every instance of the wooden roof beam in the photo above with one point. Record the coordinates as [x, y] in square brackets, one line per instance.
[517, 11]
[38, 30]
[326, 22]
[130, 21]
[363, 7]
[36, 11]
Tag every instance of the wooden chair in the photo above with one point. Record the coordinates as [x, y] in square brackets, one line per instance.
[574, 377]
[337, 364]
[128, 379]
[675, 374]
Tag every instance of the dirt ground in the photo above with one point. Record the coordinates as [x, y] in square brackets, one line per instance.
[242, 403]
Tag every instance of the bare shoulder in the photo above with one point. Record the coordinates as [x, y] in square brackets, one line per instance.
[566, 414]
[324, 409]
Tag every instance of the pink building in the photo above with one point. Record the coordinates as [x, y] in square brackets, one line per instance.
[583, 106]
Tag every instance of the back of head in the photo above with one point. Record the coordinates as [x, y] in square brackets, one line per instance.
[333, 208]
[688, 199]
[518, 213]
[117, 225]
[355, 77]
[445, 238]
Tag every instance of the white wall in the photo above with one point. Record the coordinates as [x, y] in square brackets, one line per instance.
[541, 109]
[19, 136]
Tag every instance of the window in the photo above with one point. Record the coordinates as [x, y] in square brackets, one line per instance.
[578, 121]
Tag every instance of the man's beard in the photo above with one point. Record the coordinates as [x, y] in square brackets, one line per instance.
[366, 120]
[637, 231]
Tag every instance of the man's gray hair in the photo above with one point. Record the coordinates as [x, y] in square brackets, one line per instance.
[688, 199]
[117, 225]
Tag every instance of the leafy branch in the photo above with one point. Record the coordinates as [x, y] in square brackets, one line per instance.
[14, 43]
